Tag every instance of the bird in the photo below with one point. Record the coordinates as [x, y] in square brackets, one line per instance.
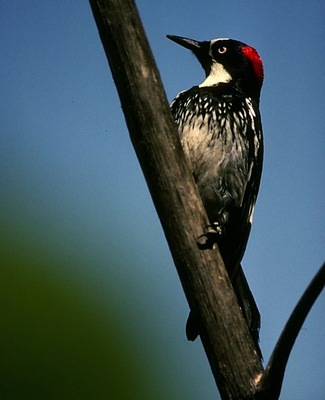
[220, 129]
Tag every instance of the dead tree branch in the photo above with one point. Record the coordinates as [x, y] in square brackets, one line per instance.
[271, 383]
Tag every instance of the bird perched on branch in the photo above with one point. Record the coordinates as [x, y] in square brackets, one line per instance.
[220, 130]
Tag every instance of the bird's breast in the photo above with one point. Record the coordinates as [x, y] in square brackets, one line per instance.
[215, 138]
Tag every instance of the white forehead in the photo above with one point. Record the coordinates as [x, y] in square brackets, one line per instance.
[217, 40]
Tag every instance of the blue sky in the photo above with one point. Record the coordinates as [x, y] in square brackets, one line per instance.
[72, 187]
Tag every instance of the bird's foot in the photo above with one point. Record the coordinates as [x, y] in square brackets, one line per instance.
[209, 238]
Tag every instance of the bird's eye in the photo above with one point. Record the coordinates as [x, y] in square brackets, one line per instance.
[222, 50]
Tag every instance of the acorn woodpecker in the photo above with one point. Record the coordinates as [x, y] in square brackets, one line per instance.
[220, 130]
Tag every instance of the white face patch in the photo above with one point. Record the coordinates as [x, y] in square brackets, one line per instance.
[217, 75]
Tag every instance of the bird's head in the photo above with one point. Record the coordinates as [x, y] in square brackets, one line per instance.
[227, 61]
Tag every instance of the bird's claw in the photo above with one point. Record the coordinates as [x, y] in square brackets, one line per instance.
[209, 238]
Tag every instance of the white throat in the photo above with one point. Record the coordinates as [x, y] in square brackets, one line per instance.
[217, 75]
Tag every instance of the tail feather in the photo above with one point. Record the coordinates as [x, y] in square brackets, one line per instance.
[246, 303]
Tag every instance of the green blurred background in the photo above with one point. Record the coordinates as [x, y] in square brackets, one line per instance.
[57, 339]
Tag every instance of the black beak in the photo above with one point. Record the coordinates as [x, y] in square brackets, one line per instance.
[190, 44]
[200, 50]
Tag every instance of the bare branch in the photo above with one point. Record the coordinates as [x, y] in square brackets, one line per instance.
[271, 383]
